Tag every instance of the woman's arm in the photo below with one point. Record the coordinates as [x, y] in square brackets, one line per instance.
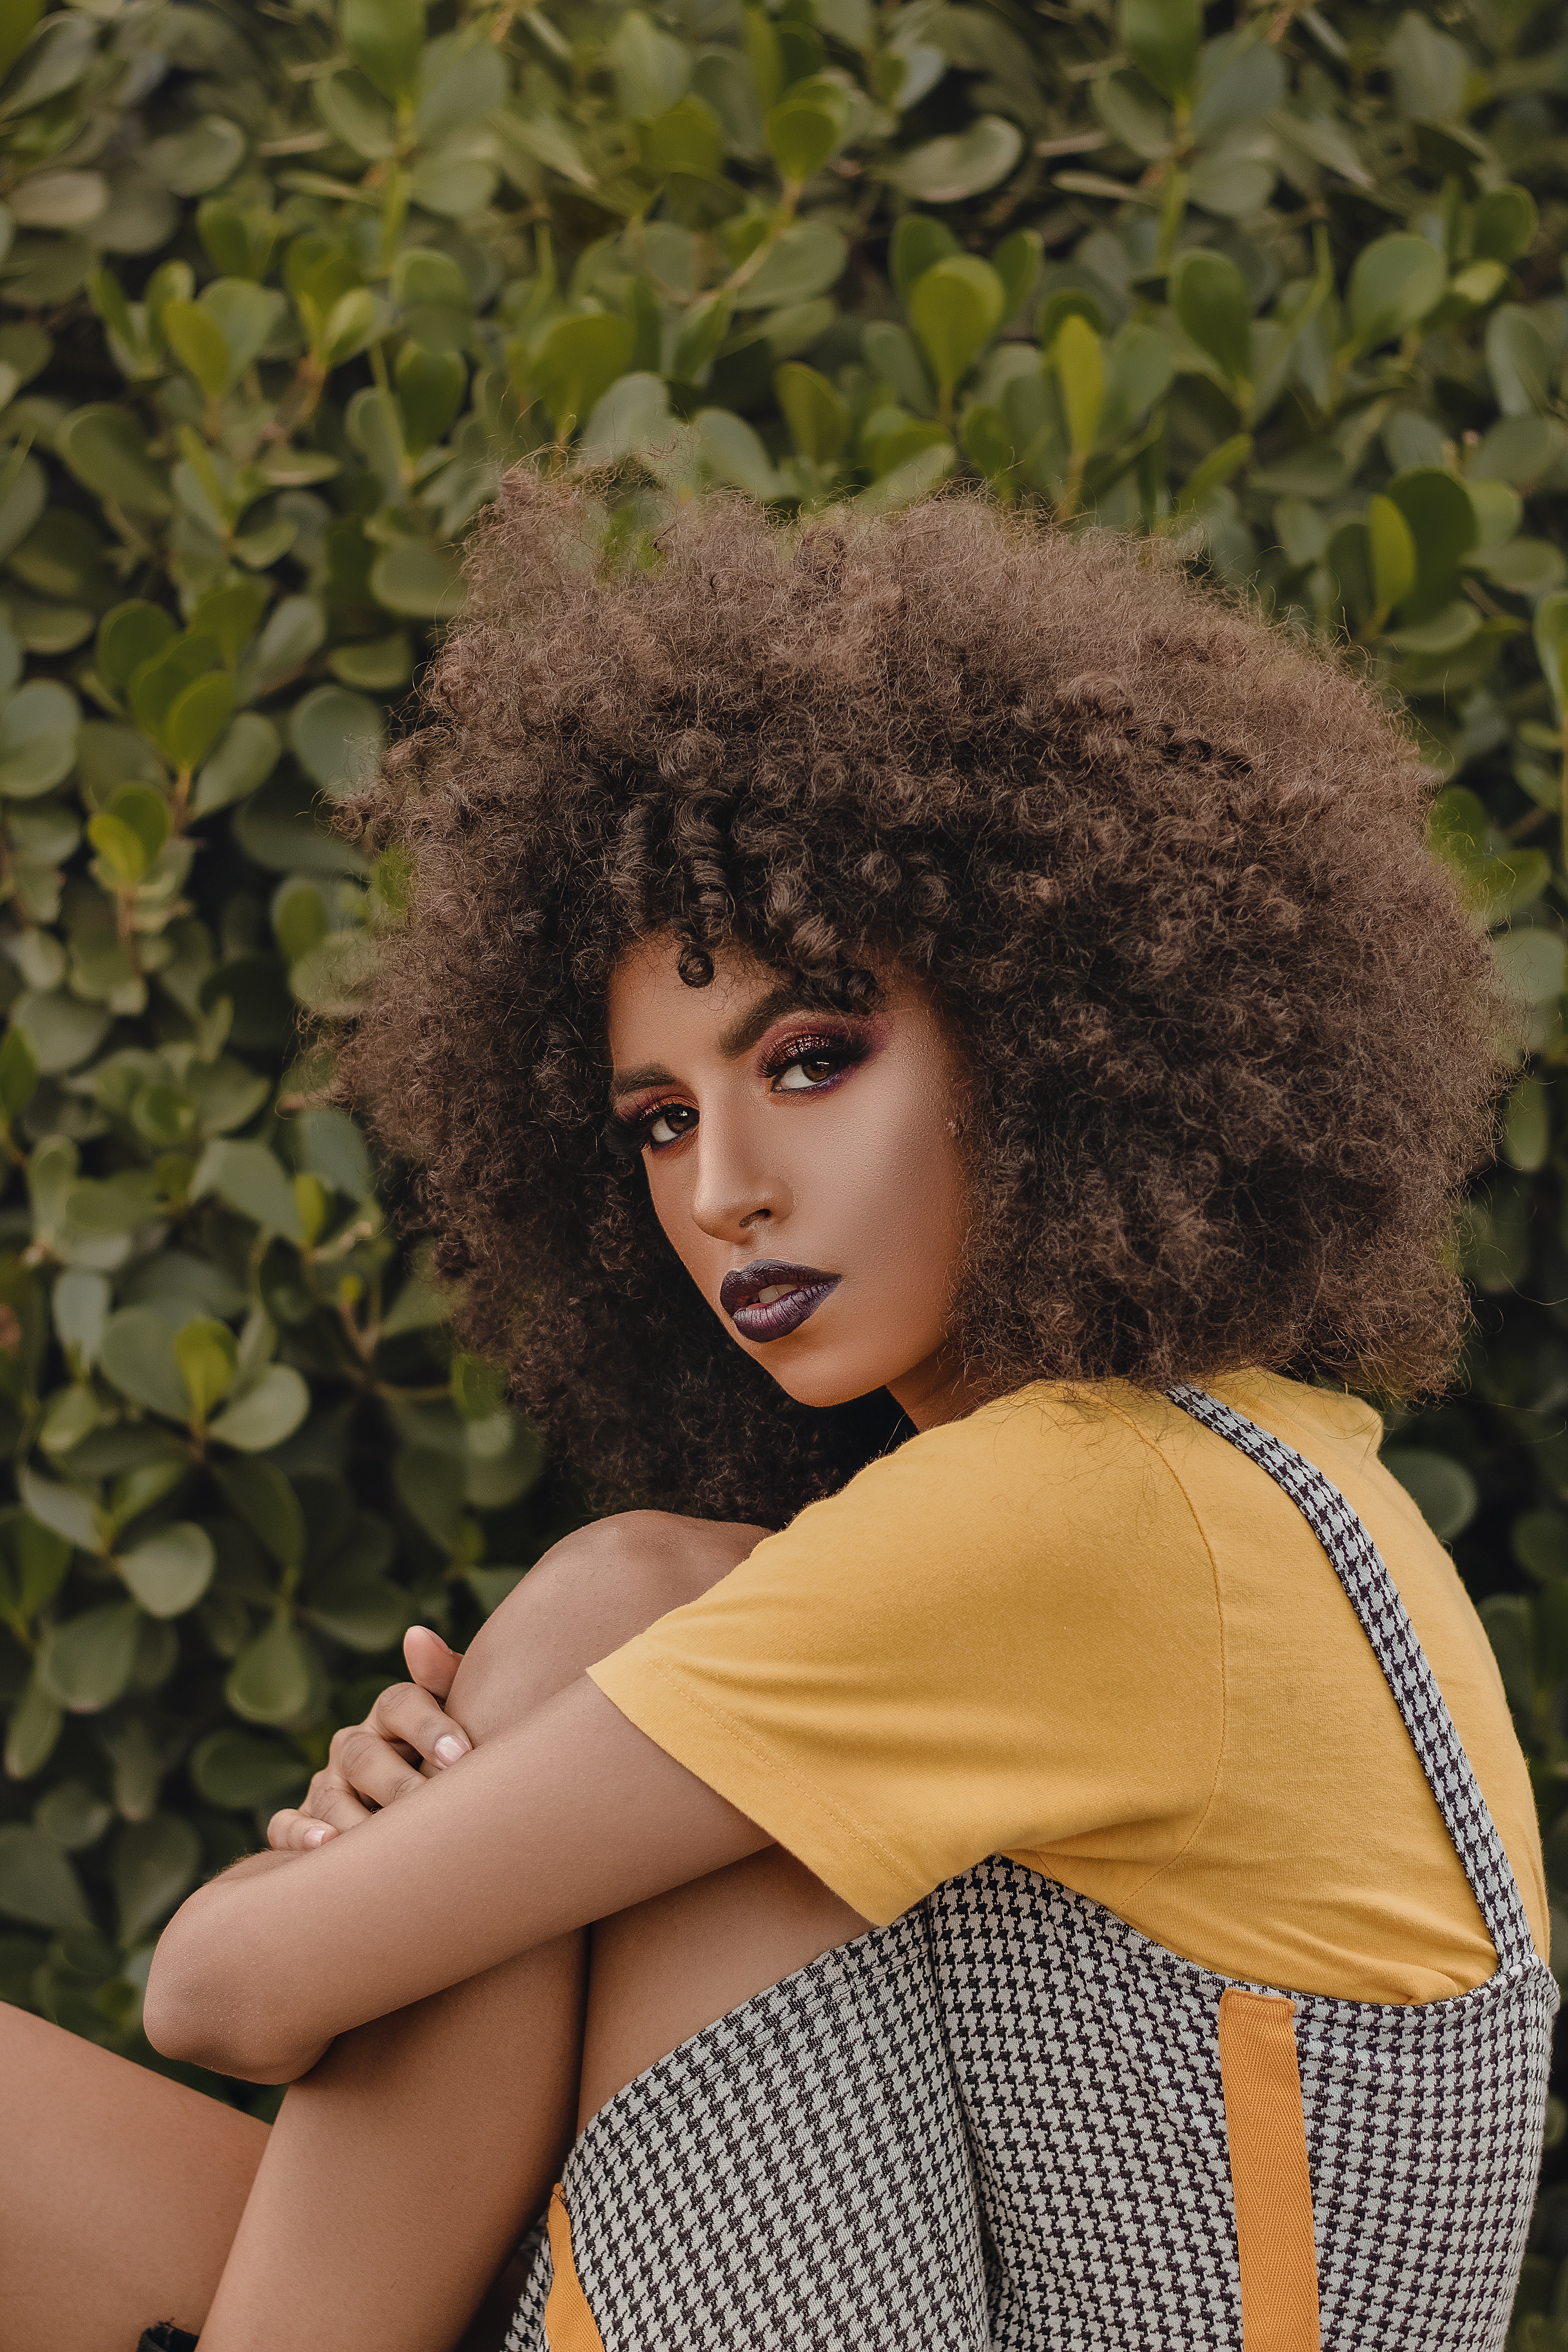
[573, 1815]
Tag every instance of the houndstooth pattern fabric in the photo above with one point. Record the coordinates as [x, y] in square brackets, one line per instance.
[1087, 2060]
[795, 2176]
[998, 2126]
[1375, 1600]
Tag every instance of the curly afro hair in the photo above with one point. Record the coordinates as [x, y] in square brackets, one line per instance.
[1231, 1040]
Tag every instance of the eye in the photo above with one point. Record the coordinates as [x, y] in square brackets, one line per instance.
[802, 1065]
[668, 1123]
[808, 1070]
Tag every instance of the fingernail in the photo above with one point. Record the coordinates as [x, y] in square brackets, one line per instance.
[317, 1837]
[448, 1748]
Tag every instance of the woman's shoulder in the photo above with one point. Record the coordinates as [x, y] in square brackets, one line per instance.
[1077, 1451]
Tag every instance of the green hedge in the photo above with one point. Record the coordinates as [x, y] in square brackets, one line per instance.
[285, 290]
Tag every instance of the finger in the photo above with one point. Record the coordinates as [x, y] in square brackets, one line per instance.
[331, 1798]
[429, 1661]
[290, 1832]
[404, 1712]
[365, 1766]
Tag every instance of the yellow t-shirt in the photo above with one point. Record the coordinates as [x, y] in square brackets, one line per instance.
[1079, 1629]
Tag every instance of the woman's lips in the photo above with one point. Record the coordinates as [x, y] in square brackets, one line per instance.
[770, 1299]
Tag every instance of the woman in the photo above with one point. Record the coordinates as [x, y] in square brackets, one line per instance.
[1017, 989]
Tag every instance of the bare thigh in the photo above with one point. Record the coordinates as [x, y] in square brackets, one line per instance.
[664, 1970]
[120, 2192]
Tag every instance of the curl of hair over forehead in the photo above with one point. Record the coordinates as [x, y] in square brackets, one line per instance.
[1230, 1038]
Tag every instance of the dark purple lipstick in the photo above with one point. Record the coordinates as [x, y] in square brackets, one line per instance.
[770, 1299]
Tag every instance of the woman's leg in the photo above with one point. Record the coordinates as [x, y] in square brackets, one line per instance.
[370, 2219]
[403, 2168]
[400, 2172]
[120, 2192]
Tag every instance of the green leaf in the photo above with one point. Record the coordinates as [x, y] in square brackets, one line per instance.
[168, 1572]
[132, 634]
[251, 1180]
[22, 504]
[365, 1612]
[918, 242]
[1139, 365]
[651, 67]
[37, 738]
[71, 1816]
[337, 737]
[143, 812]
[155, 1864]
[1527, 1131]
[1504, 223]
[261, 1496]
[1077, 357]
[38, 1881]
[417, 577]
[955, 307]
[265, 1412]
[1551, 630]
[1394, 564]
[244, 757]
[273, 1680]
[687, 138]
[1213, 473]
[1162, 37]
[818, 417]
[1442, 1489]
[1442, 523]
[385, 39]
[106, 449]
[35, 1561]
[193, 160]
[18, 1075]
[805, 260]
[208, 1354]
[197, 343]
[961, 163]
[430, 388]
[702, 330]
[1209, 296]
[87, 1661]
[1519, 360]
[1532, 964]
[733, 451]
[577, 360]
[236, 1771]
[61, 1512]
[17, 18]
[230, 616]
[156, 684]
[35, 1725]
[907, 484]
[424, 1482]
[805, 129]
[1394, 284]
[138, 1356]
[382, 662]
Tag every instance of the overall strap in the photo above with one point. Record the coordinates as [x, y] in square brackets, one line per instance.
[1375, 1598]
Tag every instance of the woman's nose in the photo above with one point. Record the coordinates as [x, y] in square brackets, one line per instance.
[735, 1196]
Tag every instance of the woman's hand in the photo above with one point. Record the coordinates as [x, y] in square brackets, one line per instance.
[405, 1740]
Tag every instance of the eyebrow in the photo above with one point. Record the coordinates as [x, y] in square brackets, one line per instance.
[738, 1039]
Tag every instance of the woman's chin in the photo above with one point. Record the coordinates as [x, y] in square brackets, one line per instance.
[819, 1377]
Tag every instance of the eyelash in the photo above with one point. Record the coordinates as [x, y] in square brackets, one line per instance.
[629, 1135]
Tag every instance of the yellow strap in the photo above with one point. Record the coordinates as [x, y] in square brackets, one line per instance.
[569, 2325]
[1268, 2172]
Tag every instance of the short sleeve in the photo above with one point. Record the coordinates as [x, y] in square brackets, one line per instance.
[1002, 1638]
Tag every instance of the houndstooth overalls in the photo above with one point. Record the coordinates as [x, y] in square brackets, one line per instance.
[1010, 2120]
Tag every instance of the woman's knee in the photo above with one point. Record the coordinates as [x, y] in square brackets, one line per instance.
[593, 1591]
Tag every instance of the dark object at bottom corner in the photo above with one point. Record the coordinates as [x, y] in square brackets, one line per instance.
[166, 2337]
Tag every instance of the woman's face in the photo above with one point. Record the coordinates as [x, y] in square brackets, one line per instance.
[805, 1166]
